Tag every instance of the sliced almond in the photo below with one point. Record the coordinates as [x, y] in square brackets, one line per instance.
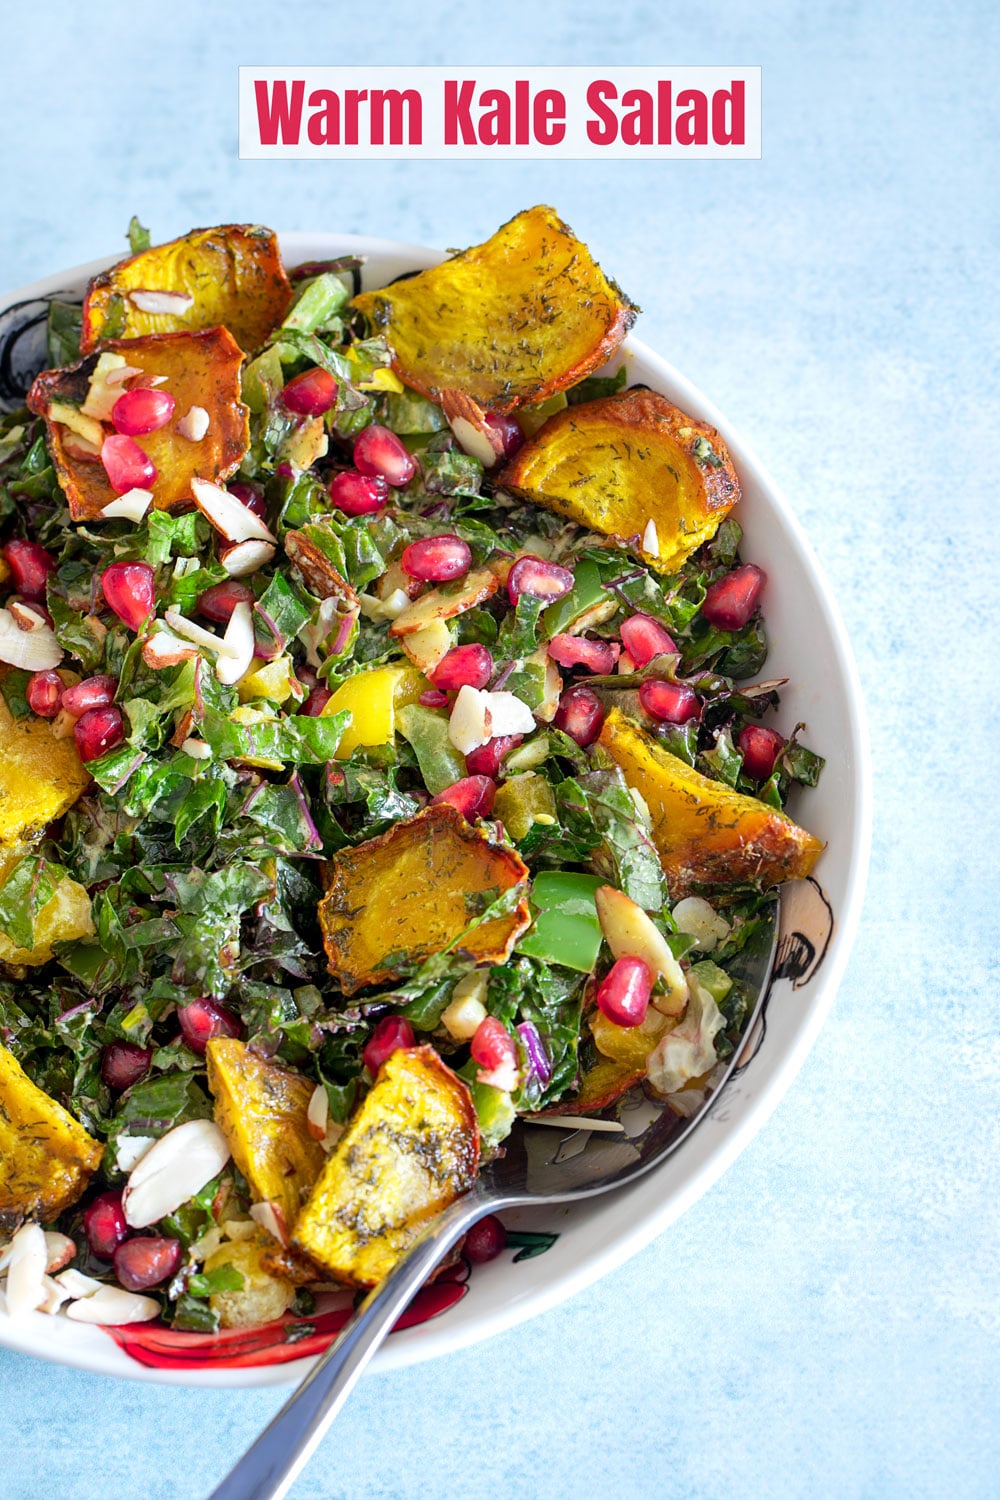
[55, 1296]
[236, 522]
[194, 424]
[426, 647]
[631, 933]
[173, 1170]
[650, 540]
[318, 1112]
[26, 1260]
[76, 1284]
[505, 1076]
[271, 1218]
[479, 716]
[161, 302]
[61, 1250]
[34, 650]
[197, 749]
[316, 570]
[238, 647]
[113, 1306]
[165, 649]
[26, 616]
[240, 559]
[445, 604]
[197, 634]
[131, 506]
[473, 433]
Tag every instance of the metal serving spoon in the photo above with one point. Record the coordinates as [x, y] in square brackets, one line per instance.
[538, 1166]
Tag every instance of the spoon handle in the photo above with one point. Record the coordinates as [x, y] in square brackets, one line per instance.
[269, 1468]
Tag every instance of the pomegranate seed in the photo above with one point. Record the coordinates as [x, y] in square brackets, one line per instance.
[98, 731]
[377, 450]
[317, 701]
[124, 1063]
[105, 1225]
[146, 1261]
[473, 796]
[543, 580]
[645, 638]
[578, 651]
[218, 602]
[248, 496]
[205, 1018]
[437, 559]
[391, 1033]
[485, 1240]
[92, 692]
[492, 1045]
[125, 464]
[30, 566]
[673, 702]
[142, 411]
[310, 394]
[358, 494]
[761, 748]
[463, 666]
[730, 601]
[486, 760]
[433, 698]
[44, 693]
[509, 432]
[130, 589]
[580, 715]
[624, 994]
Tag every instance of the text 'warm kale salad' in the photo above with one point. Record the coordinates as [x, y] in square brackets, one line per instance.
[381, 757]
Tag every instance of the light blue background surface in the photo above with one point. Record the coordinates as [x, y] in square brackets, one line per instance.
[825, 1322]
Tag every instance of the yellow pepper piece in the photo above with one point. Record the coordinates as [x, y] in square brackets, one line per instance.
[628, 1044]
[522, 801]
[267, 679]
[372, 698]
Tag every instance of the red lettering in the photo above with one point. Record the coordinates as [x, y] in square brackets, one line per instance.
[602, 131]
[731, 102]
[397, 101]
[276, 116]
[522, 113]
[352, 98]
[494, 126]
[664, 112]
[457, 116]
[637, 125]
[550, 117]
[692, 126]
[324, 122]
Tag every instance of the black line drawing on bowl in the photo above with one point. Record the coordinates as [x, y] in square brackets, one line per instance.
[23, 346]
[806, 928]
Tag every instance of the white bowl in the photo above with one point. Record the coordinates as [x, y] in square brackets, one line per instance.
[819, 917]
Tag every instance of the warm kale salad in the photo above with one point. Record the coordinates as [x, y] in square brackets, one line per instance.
[381, 757]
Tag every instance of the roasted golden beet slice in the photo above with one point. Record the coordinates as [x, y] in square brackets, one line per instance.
[634, 467]
[230, 276]
[40, 777]
[509, 322]
[411, 1149]
[601, 1085]
[261, 1110]
[46, 1156]
[65, 917]
[395, 900]
[707, 835]
[201, 369]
